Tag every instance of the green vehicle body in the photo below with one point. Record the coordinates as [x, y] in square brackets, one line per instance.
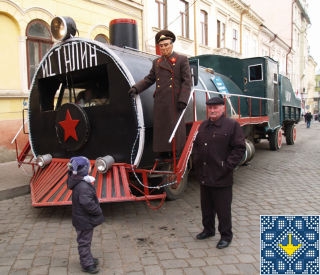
[257, 78]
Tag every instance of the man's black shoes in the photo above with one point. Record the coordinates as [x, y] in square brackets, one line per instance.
[223, 244]
[204, 235]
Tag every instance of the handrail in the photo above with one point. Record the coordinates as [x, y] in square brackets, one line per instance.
[15, 137]
[181, 116]
[21, 128]
[226, 96]
[230, 94]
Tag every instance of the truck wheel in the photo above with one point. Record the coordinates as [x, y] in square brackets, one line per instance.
[174, 191]
[275, 139]
[249, 153]
[251, 148]
[291, 134]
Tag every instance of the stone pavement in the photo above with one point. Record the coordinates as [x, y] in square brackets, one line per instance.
[14, 180]
[136, 240]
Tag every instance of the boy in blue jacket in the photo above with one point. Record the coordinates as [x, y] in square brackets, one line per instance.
[86, 211]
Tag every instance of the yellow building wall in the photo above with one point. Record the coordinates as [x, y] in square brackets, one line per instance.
[11, 108]
[9, 57]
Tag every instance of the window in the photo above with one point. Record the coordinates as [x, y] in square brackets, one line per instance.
[234, 39]
[102, 38]
[204, 27]
[221, 30]
[255, 72]
[184, 15]
[254, 46]
[265, 52]
[89, 88]
[161, 14]
[39, 41]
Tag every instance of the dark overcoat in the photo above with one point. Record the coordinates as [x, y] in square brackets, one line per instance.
[218, 148]
[173, 84]
[86, 210]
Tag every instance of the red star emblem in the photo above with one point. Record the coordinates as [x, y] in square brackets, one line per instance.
[69, 126]
[173, 60]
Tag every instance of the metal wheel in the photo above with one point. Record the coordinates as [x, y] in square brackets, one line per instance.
[249, 153]
[275, 139]
[175, 190]
[291, 134]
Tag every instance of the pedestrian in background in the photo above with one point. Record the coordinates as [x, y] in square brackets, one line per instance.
[86, 211]
[308, 117]
[171, 73]
[218, 148]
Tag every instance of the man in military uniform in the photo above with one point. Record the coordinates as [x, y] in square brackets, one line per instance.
[171, 73]
[218, 148]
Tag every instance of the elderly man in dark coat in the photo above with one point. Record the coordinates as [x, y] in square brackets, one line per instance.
[218, 148]
[171, 73]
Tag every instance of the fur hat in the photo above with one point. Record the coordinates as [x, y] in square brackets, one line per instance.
[215, 101]
[164, 35]
[79, 166]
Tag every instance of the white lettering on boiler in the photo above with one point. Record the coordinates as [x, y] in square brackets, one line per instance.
[46, 66]
[70, 57]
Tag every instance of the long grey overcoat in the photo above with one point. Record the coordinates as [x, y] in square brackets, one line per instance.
[173, 84]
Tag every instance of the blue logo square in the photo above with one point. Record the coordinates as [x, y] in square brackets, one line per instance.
[289, 244]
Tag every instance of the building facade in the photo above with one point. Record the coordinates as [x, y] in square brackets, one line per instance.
[312, 99]
[317, 91]
[247, 28]
[289, 20]
[237, 28]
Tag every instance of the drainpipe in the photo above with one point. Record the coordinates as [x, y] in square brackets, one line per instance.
[291, 42]
[287, 61]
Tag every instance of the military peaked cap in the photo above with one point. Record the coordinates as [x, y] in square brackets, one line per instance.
[164, 35]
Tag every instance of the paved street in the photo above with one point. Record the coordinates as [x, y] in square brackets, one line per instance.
[136, 240]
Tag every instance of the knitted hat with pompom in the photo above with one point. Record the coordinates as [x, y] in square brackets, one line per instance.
[79, 166]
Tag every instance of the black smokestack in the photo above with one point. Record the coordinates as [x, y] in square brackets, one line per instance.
[123, 32]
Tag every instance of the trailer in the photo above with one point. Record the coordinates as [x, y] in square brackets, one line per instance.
[79, 105]
[259, 77]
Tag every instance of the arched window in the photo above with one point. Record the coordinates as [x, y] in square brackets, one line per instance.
[102, 38]
[39, 41]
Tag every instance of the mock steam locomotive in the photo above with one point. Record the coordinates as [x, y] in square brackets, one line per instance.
[79, 105]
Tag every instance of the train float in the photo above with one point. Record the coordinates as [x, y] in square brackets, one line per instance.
[79, 105]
